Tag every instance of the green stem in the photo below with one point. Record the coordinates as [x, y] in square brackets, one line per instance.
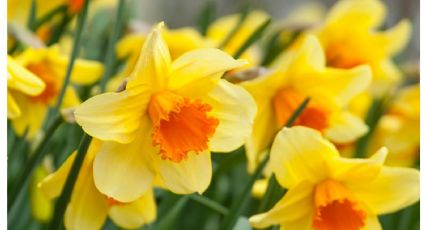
[59, 30]
[206, 17]
[75, 51]
[237, 207]
[211, 204]
[32, 14]
[253, 38]
[235, 29]
[63, 200]
[167, 220]
[110, 52]
[48, 16]
[35, 159]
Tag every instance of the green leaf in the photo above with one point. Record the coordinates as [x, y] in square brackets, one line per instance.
[253, 38]
[242, 224]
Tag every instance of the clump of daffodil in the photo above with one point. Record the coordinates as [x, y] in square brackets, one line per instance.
[179, 41]
[49, 65]
[20, 81]
[399, 130]
[302, 73]
[88, 207]
[362, 42]
[166, 121]
[326, 191]
[219, 31]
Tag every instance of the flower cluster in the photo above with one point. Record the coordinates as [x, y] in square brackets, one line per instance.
[315, 103]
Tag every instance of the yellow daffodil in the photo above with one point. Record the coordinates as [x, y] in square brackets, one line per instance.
[302, 73]
[20, 81]
[362, 43]
[220, 29]
[326, 191]
[41, 206]
[50, 66]
[166, 121]
[89, 208]
[399, 128]
[179, 41]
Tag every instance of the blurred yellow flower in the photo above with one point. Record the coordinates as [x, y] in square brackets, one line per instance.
[89, 208]
[166, 121]
[41, 206]
[179, 41]
[326, 191]
[20, 81]
[362, 43]
[399, 130]
[219, 30]
[50, 66]
[302, 73]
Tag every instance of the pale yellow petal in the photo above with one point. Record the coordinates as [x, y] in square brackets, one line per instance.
[393, 189]
[198, 71]
[135, 214]
[192, 174]
[235, 109]
[32, 116]
[300, 153]
[23, 80]
[153, 65]
[41, 206]
[87, 208]
[113, 116]
[124, 171]
[293, 212]
[386, 76]
[372, 223]
[13, 110]
[344, 127]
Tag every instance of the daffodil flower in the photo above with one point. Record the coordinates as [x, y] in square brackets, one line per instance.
[49, 65]
[89, 208]
[399, 130]
[41, 206]
[326, 191]
[302, 73]
[166, 121]
[361, 42]
[20, 81]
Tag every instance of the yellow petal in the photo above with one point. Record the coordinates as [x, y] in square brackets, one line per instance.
[52, 185]
[183, 40]
[71, 98]
[197, 71]
[372, 223]
[41, 206]
[21, 79]
[235, 109]
[298, 154]
[131, 161]
[358, 13]
[393, 189]
[386, 75]
[192, 174]
[154, 62]
[309, 57]
[129, 44]
[344, 127]
[13, 110]
[135, 214]
[113, 116]
[32, 116]
[88, 208]
[393, 40]
[339, 84]
[353, 170]
[293, 212]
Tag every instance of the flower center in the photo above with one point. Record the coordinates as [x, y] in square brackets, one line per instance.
[338, 57]
[335, 208]
[180, 125]
[49, 79]
[111, 201]
[287, 100]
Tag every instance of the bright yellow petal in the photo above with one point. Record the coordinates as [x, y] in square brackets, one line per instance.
[113, 116]
[298, 154]
[21, 79]
[372, 223]
[13, 110]
[309, 57]
[393, 40]
[386, 75]
[359, 13]
[135, 214]
[129, 44]
[293, 212]
[71, 98]
[339, 84]
[131, 161]
[393, 189]
[344, 127]
[192, 174]
[32, 116]
[88, 208]
[197, 71]
[235, 109]
[41, 206]
[183, 40]
[154, 62]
